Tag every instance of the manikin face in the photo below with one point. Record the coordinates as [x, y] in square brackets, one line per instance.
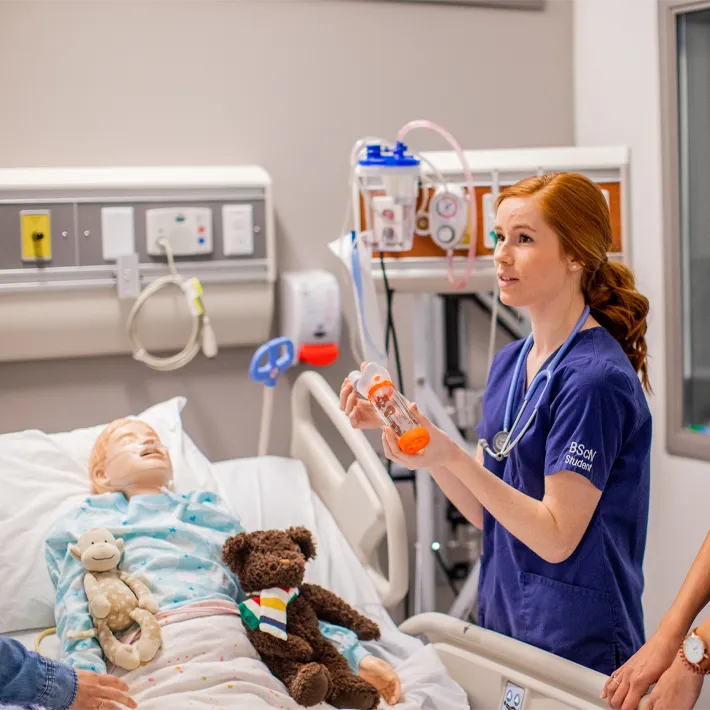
[531, 265]
[135, 462]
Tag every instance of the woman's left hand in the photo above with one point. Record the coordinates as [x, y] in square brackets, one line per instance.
[677, 689]
[440, 450]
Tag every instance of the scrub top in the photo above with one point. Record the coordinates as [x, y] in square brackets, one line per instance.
[593, 419]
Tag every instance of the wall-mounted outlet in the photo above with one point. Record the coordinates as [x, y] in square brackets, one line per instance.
[36, 235]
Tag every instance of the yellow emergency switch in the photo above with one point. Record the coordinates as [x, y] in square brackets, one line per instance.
[36, 235]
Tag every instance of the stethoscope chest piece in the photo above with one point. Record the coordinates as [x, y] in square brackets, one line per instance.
[499, 441]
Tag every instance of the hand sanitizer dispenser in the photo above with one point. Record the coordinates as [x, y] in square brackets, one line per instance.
[310, 315]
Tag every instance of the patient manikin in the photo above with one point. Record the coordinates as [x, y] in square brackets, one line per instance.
[129, 458]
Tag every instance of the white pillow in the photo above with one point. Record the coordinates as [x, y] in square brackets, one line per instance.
[41, 476]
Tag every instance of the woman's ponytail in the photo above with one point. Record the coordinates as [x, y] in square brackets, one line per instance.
[615, 303]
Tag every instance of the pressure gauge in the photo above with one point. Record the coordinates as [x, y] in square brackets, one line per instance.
[447, 206]
[447, 217]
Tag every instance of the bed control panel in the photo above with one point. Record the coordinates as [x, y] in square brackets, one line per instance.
[513, 697]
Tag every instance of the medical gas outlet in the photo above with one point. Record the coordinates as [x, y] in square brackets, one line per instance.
[447, 217]
[36, 236]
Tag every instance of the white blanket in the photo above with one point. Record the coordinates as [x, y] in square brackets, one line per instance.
[209, 662]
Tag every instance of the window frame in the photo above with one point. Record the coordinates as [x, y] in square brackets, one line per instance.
[679, 441]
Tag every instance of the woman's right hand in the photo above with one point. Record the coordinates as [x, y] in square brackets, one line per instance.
[627, 685]
[96, 690]
[361, 413]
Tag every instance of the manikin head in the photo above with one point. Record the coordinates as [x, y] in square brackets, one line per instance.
[97, 550]
[129, 458]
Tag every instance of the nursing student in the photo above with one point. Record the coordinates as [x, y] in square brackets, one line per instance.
[560, 480]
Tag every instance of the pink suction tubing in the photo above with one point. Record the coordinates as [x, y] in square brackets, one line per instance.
[472, 216]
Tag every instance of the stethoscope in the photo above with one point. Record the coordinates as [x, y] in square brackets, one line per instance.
[502, 445]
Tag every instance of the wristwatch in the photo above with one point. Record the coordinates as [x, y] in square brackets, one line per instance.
[693, 651]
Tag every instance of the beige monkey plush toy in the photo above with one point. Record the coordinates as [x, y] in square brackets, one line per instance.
[116, 600]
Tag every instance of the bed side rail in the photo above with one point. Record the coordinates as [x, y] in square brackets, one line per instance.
[484, 663]
[363, 500]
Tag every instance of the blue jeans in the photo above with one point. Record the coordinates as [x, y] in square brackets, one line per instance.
[27, 679]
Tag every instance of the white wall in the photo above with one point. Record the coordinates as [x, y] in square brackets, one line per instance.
[286, 84]
[616, 99]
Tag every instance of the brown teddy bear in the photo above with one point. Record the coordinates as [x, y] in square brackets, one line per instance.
[281, 619]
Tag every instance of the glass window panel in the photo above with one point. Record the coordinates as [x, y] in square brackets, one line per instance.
[693, 42]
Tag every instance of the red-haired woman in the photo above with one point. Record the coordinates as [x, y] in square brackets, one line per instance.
[560, 481]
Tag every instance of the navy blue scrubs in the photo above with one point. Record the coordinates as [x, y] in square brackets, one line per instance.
[593, 419]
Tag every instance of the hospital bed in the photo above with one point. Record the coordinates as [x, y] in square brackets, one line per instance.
[352, 511]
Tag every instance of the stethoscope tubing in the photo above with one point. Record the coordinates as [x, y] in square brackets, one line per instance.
[545, 374]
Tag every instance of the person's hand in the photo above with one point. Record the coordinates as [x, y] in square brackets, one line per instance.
[440, 450]
[627, 685]
[361, 413]
[677, 689]
[101, 692]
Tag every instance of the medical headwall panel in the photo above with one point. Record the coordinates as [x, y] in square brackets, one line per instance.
[424, 266]
[77, 245]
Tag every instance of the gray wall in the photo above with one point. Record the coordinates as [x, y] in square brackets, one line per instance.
[288, 85]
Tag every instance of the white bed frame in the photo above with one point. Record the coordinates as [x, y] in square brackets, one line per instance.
[362, 499]
[366, 506]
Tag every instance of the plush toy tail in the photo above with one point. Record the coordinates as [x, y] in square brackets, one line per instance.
[151, 638]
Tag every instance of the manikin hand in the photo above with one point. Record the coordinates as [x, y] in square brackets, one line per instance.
[440, 450]
[627, 685]
[381, 674]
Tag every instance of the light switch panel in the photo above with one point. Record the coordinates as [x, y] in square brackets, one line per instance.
[238, 230]
[118, 235]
